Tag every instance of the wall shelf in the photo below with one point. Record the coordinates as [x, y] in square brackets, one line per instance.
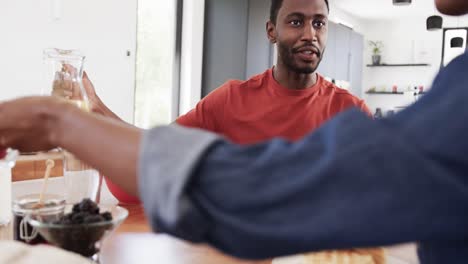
[385, 93]
[399, 65]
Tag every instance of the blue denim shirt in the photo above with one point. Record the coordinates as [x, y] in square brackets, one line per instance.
[354, 182]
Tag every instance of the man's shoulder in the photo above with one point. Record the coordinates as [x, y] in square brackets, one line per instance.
[253, 82]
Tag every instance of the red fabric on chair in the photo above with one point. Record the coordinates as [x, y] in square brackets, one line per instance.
[3, 153]
[122, 196]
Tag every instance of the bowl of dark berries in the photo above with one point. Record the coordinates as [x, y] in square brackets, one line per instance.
[81, 229]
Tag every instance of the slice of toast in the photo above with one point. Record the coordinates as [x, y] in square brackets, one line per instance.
[352, 256]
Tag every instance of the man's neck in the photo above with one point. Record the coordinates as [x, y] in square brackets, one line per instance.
[293, 80]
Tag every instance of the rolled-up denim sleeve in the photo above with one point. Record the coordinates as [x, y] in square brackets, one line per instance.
[168, 158]
[354, 182]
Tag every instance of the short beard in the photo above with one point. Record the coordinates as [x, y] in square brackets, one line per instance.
[287, 57]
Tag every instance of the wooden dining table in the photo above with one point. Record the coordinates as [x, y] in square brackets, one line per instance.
[135, 242]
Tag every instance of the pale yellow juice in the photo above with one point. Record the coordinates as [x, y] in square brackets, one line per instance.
[82, 104]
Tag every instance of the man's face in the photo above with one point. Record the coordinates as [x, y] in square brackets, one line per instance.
[301, 33]
[452, 7]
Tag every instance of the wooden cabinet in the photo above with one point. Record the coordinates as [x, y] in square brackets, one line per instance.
[33, 167]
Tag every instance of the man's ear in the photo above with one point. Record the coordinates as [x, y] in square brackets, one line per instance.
[271, 32]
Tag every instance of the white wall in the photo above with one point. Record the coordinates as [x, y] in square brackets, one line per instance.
[405, 41]
[339, 16]
[103, 30]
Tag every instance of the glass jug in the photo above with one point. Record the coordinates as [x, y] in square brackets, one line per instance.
[6, 164]
[64, 77]
[81, 180]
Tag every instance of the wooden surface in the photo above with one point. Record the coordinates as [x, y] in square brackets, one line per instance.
[133, 242]
[31, 167]
[157, 248]
[136, 221]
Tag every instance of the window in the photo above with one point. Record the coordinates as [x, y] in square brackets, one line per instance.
[157, 62]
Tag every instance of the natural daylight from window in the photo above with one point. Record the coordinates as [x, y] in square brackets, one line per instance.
[155, 62]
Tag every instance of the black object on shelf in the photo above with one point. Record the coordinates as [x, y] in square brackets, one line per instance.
[398, 65]
[434, 23]
[456, 42]
[378, 113]
[385, 93]
[401, 2]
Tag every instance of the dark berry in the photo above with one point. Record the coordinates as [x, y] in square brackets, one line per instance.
[76, 208]
[78, 218]
[107, 216]
[89, 219]
[89, 206]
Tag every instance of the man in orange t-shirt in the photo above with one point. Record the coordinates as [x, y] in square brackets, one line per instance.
[261, 108]
[289, 100]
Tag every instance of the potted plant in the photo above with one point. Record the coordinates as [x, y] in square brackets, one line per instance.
[376, 51]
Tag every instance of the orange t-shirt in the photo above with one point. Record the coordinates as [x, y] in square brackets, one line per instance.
[260, 108]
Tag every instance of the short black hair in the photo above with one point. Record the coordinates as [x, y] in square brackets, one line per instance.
[276, 5]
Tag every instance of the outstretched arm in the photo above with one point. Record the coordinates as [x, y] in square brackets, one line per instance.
[41, 123]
